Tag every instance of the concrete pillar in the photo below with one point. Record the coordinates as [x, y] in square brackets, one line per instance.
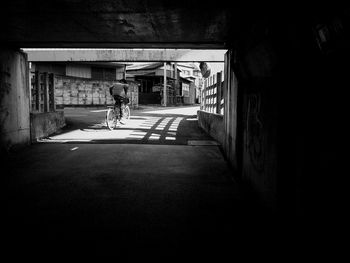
[46, 93]
[218, 93]
[164, 90]
[252, 134]
[14, 100]
[230, 111]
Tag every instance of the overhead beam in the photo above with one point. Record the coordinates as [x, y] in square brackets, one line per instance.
[125, 55]
[117, 45]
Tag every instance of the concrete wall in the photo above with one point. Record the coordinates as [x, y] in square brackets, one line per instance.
[46, 123]
[230, 95]
[255, 102]
[260, 109]
[213, 124]
[14, 100]
[315, 145]
[285, 110]
[83, 92]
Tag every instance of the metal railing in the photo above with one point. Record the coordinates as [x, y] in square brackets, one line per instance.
[212, 94]
[42, 91]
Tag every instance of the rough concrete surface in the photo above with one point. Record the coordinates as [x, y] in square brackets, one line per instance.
[212, 124]
[14, 100]
[45, 123]
[135, 199]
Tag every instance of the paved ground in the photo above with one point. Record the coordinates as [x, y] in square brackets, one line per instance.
[150, 125]
[132, 191]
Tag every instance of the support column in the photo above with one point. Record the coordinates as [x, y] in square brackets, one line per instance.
[37, 91]
[46, 93]
[14, 100]
[164, 90]
[218, 93]
[52, 92]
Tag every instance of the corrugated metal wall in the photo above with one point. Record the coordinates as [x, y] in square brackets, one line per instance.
[78, 71]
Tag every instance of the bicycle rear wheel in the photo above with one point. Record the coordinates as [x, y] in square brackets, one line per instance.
[111, 120]
[127, 112]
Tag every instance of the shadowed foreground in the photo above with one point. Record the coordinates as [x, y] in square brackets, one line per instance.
[110, 198]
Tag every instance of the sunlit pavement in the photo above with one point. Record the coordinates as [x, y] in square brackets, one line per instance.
[176, 125]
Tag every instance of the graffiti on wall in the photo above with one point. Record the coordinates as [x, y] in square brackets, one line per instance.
[254, 138]
[5, 87]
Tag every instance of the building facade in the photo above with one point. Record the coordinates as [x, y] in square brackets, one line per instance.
[183, 83]
[192, 73]
[84, 84]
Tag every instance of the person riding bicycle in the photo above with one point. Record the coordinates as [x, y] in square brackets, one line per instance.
[119, 91]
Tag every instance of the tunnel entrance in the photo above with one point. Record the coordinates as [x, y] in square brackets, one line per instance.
[158, 181]
[72, 86]
[281, 126]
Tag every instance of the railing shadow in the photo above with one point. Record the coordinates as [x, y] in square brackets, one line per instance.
[147, 127]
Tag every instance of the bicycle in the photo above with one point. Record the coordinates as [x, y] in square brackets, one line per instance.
[112, 116]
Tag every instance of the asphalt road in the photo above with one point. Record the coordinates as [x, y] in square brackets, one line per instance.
[139, 190]
[147, 125]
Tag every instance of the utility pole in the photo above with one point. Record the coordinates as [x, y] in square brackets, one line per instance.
[124, 73]
[164, 90]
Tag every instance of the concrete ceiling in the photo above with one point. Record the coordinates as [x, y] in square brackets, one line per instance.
[125, 55]
[118, 24]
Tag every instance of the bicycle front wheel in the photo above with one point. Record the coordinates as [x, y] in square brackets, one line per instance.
[127, 112]
[111, 121]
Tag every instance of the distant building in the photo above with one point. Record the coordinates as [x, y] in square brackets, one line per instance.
[188, 90]
[182, 88]
[84, 83]
[192, 74]
[151, 79]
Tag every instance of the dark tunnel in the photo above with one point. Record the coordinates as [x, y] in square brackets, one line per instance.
[282, 129]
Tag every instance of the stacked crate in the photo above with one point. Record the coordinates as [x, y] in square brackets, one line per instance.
[82, 97]
[71, 91]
